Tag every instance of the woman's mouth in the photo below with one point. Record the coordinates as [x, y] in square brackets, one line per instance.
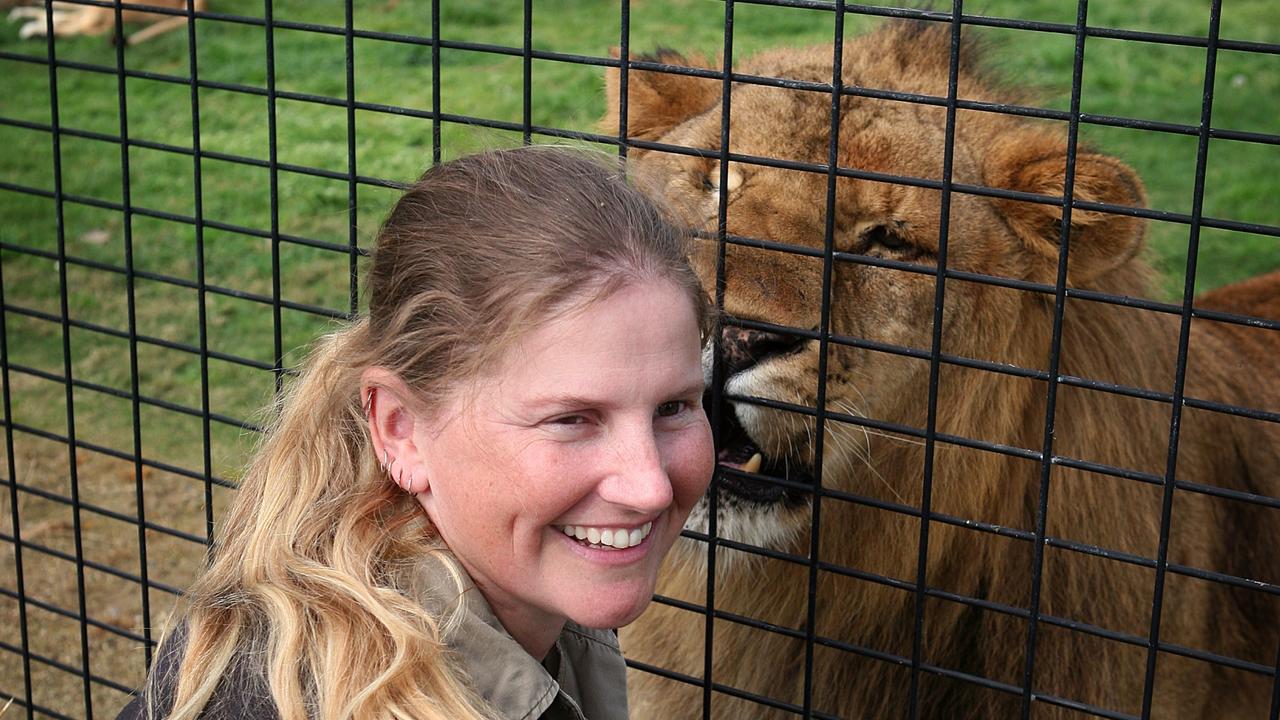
[605, 537]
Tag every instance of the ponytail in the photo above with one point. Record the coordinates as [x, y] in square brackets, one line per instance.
[308, 587]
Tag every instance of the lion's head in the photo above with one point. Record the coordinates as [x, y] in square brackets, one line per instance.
[886, 239]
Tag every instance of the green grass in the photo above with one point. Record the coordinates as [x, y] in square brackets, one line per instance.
[1136, 80]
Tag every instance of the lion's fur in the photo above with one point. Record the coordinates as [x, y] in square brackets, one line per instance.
[1107, 343]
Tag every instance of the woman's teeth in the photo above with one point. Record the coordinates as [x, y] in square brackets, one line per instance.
[618, 538]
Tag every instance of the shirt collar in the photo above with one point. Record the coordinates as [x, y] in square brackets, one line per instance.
[507, 677]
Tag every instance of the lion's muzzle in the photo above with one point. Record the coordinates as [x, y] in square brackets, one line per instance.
[747, 473]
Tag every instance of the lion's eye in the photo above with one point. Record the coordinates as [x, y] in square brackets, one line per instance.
[883, 237]
[733, 179]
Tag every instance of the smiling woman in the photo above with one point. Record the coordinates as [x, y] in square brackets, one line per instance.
[466, 489]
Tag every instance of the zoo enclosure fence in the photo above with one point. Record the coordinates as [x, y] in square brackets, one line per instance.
[22, 689]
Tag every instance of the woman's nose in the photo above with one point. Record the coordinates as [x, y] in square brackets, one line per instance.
[638, 478]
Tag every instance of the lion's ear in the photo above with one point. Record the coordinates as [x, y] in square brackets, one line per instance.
[657, 101]
[1099, 241]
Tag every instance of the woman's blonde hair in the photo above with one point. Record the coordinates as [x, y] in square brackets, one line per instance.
[308, 585]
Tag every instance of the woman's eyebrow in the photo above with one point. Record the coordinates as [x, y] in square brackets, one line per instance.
[567, 400]
[576, 400]
[697, 386]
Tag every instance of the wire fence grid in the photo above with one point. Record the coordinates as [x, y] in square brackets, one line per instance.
[73, 489]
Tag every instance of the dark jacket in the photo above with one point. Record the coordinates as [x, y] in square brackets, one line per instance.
[587, 680]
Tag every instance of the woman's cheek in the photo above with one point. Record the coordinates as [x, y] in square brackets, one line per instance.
[570, 471]
[698, 463]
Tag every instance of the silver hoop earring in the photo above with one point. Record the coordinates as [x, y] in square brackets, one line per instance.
[385, 462]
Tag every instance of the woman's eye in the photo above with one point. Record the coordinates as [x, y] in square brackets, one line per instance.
[669, 409]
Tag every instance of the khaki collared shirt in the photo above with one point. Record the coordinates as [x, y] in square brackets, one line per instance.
[587, 676]
[587, 679]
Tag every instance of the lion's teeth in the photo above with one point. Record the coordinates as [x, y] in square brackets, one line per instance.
[753, 465]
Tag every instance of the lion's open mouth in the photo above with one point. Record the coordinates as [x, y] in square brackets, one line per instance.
[753, 475]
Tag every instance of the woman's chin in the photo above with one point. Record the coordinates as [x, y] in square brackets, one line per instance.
[612, 610]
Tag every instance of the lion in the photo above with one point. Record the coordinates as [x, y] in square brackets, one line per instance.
[1076, 541]
[73, 19]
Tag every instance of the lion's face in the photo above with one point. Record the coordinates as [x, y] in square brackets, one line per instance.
[885, 305]
[886, 240]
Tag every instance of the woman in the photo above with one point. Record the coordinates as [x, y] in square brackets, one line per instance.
[465, 489]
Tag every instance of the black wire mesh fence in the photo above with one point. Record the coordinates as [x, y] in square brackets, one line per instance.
[181, 215]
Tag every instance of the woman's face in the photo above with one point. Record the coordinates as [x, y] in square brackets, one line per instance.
[563, 479]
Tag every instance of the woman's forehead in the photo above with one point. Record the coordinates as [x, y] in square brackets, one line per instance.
[647, 330]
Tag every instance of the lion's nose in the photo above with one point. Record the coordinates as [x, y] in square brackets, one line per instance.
[741, 347]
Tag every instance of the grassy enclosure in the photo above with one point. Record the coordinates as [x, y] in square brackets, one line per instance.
[142, 272]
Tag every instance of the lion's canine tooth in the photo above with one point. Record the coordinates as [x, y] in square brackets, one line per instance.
[753, 465]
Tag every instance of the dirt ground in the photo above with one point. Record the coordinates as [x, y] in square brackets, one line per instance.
[110, 547]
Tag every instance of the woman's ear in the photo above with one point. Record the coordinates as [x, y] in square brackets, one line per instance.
[392, 423]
